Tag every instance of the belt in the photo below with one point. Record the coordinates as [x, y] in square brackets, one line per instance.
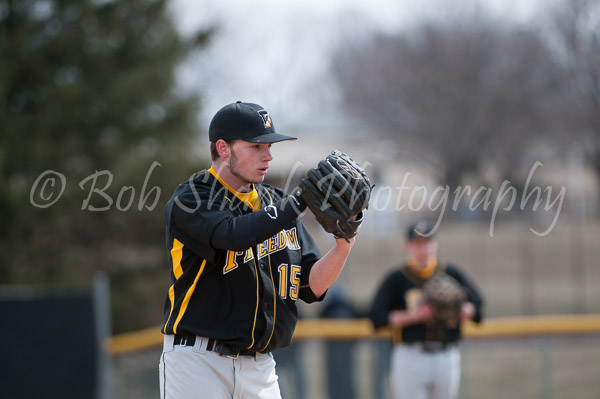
[432, 346]
[213, 345]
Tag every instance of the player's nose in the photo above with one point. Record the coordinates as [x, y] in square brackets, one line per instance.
[267, 156]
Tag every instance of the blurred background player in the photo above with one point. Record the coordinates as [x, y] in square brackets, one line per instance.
[425, 359]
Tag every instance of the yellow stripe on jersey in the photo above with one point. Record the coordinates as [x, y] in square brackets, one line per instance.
[172, 300]
[188, 296]
[251, 199]
[176, 255]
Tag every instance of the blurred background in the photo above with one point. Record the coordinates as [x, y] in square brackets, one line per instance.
[483, 117]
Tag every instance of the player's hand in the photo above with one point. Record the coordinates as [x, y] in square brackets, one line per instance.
[396, 318]
[355, 221]
[467, 311]
[424, 312]
[401, 318]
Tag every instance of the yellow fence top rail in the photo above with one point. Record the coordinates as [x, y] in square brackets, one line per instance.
[362, 329]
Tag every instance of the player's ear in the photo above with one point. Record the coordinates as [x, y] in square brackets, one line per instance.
[223, 148]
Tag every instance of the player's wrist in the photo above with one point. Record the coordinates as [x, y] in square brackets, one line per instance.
[297, 202]
[343, 241]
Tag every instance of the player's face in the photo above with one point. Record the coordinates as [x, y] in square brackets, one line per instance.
[421, 249]
[249, 162]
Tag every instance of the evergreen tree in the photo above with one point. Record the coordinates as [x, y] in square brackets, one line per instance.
[90, 86]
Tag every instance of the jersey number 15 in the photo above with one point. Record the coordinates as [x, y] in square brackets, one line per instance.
[289, 278]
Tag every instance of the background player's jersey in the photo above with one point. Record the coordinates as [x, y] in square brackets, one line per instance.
[247, 298]
[401, 291]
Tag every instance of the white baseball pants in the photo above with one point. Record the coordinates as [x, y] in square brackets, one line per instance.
[415, 374]
[192, 372]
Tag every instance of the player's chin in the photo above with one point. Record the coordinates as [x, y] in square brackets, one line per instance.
[255, 179]
[259, 176]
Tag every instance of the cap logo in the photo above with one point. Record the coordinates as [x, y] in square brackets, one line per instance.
[264, 114]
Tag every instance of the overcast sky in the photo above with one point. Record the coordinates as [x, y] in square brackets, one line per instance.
[276, 52]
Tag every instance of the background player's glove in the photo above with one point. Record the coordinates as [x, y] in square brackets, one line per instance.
[337, 191]
[445, 296]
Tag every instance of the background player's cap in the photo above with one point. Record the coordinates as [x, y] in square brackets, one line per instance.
[244, 121]
[419, 229]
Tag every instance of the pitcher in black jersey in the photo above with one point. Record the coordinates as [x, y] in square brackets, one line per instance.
[239, 259]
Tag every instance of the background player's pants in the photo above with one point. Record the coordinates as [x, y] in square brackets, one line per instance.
[188, 372]
[415, 374]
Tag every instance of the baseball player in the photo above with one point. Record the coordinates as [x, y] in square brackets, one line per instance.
[425, 359]
[239, 258]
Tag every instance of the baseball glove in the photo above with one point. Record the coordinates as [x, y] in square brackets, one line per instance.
[337, 191]
[445, 296]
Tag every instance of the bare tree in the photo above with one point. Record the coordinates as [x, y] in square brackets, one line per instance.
[459, 94]
[576, 28]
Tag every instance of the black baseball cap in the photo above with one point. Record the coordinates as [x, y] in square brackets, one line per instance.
[244, 121]
[419, 229]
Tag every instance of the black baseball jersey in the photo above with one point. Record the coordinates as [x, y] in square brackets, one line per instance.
[246, 298]
[402, 290]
